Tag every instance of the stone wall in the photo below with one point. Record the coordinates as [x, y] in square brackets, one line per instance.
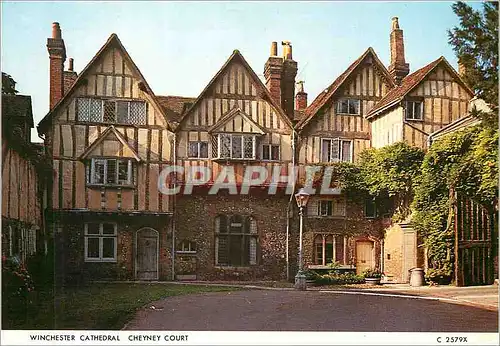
[71, 267]
[195, 221]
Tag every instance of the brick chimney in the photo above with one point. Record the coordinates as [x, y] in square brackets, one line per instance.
[301, 97]
[398, 67]
[70, 76]
[288, 75]
[57, 56]
[272, 73]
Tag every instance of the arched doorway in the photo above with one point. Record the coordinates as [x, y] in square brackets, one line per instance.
[146, 254]
[365, 255]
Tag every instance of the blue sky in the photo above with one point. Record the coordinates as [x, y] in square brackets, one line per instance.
[179, 46]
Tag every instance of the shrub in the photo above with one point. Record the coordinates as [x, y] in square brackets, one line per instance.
[372, 273]
[339, 279]
[17, 286]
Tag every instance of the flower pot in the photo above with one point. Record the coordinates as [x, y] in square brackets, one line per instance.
[372, 281]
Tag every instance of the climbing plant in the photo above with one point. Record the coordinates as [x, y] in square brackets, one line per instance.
[464, 161]
[389, 174]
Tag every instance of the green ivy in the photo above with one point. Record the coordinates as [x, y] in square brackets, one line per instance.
[466, 162]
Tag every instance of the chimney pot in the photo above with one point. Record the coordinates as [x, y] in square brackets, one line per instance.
[274, 48]
[395, 23]
[56, 31]
[70, 67]
[301, 97]
[287, 50]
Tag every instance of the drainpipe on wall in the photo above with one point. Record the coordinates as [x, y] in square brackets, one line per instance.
[173, 209]
[288, 210]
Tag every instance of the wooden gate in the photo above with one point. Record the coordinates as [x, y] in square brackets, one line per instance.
[476, 230]
[147, 254]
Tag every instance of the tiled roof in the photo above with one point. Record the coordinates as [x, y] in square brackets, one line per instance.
[261, 88]
[324, 96]
[174, 106]
[407, 84]
[298, 114]
[15, 106]
[113, 40]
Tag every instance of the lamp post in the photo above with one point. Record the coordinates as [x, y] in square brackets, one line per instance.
[302, 197]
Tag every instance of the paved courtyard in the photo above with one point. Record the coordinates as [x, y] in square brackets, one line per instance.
[285, 310]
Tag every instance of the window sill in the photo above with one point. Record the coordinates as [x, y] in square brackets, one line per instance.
[99, 186]
[98, 260]
[232, 160]
[326, 217]
[197, 158]
[419, 120]
[241, 268]
[348, 114]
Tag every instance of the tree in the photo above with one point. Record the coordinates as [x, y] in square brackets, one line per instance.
[8, 84]
[475, 42]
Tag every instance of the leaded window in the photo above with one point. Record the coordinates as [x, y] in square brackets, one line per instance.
[111, 111]
[234, 146]
[236, 240]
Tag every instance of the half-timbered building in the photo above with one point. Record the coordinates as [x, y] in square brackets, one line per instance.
[23, 181]
[333, 129]
[107, 139]
[229, 212]
[233, 130]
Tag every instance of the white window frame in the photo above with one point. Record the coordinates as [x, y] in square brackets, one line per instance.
[348, 100]
[198, 143]
[412, 105]
[101, 237]
[94, 160]
[340, 153]
[231, 135]
[189, 249]
[269, 150]
[115, 101]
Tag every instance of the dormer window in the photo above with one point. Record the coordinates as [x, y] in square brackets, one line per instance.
[348, 106]
[414, 110]
[234, 146]
[111, 111]
[110, 172]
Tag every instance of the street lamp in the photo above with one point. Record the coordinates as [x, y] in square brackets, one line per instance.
[302, 197]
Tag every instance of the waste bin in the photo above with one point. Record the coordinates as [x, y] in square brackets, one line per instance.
[416, 277]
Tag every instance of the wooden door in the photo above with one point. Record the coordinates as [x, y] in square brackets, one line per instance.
[147, 254]
[364, 256]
